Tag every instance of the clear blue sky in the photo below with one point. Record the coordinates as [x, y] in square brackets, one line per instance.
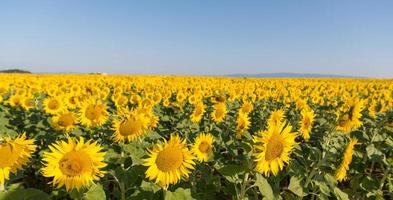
[211, 37]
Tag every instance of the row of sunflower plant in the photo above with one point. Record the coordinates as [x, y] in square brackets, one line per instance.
[173, 137]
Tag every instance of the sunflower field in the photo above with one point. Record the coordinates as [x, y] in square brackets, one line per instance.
[96, 137]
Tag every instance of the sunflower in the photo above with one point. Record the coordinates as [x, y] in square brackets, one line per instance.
[130, 125]
[72, 101]
[220, 110]
[28, 102]
[198, 112]
[341, 172]
[306, 123]
[15, 100]
[121, 101]
[273, 148]
[64, 121]
[93, 113]
[243, 123]
[203, 147]
[246, 107]
[351, 116]
[276, 118]
[168, 162]
[74, 163]
[14, 155]
[53, 105]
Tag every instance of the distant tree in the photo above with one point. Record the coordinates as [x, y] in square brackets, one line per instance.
[15, 71]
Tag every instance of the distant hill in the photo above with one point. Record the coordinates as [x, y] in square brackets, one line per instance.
[291, 75]
[11, 71]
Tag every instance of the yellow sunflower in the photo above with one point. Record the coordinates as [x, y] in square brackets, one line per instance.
[168, 162]
[93, 113]
[14, 155]
[53, 105]
[130, 126]
[243, 123]
[306, 123]
[74, 163]
[28, 102]
[351, 116]
[247, 107]
[220, 110]
[64, 121]
[203, 147]
[341, 173]
[198, 112]
[273, 148]
[276, 118]
[15, 100]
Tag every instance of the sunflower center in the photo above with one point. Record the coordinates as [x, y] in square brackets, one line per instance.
[9, 155]
[204, 147]
[16, 101]
[130, 126]
[66, 120]
[274, 148]
[169, 159]
[53, 104]
[75, 163]
[306, 122]
[93, 112]
[122, 100]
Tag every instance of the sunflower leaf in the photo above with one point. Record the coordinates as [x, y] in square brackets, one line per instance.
[264, 187]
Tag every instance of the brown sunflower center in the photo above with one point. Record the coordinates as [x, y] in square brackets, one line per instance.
[169, 159]
[274, 148]
[306, 122]
[204, 147]
[53, 104]
[75, 163]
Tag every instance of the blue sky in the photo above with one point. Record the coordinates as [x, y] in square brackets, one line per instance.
[213, 37]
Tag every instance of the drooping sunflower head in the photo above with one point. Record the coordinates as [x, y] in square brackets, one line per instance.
[28, 102]
[198, 112]
[276, 118]
[74, 163]
[243, 123]
[306, 123]
[93, 113]
[14, 154]
[168, 162]
[273, 148]
[130, 126]
[220, 110]
[350, 117]
[64, 121]
[203, 147]
[341, 172]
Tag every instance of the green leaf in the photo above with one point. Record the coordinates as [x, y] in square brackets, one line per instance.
[24, 194]
[179, 194]
[95, 192]
[340, 194]
[264, 187]
[295, 186]
[373, 152]
[136, 152]
[230, 170]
